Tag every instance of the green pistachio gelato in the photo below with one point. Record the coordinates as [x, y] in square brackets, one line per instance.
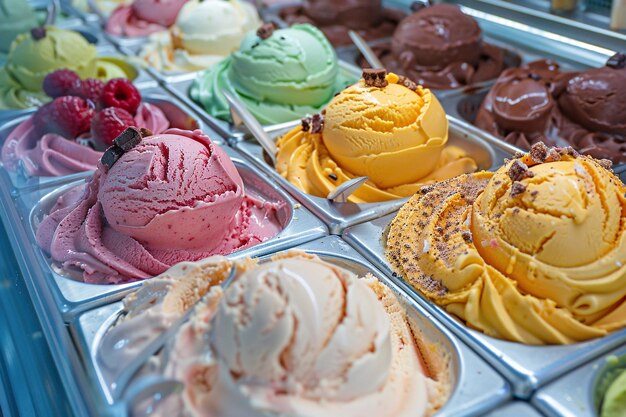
[30, 60]
[613, 385]
[16, 17]
[292, 73]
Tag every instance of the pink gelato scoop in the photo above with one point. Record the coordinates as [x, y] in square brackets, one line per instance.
[143, 17]
[55, 155]
[174, 197]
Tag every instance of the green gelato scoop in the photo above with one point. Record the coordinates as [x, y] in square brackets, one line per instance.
[291, 73]
[614, 403]
[32, 57]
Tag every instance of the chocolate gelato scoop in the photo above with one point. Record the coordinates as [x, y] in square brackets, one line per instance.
[336, 18]
[440, 47]
[539, 102]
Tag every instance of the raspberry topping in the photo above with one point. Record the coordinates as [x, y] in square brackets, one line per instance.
[90, 89]
[67, 116]
[60, 83]
[109, 123]
[121, 93]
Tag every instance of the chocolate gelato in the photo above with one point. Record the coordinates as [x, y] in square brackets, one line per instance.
[440, 47]
[368, 17]
[539, 102]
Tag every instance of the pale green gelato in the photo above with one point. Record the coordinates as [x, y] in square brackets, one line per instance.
[16, 17]
[30, 60]
[613, 385]
[292, 73]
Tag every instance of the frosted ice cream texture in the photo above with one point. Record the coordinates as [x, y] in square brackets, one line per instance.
[174, 197]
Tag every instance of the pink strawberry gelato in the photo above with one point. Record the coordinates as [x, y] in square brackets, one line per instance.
[174, 197]
[143, 17]
[55, 155]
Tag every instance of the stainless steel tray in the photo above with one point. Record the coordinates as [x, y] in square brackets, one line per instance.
[338, 216]
[70, 296]
[525, 367]
[179, 86]
[179, 114]
[574, 394]
[535, 13]
[478, 388]
[515, 409]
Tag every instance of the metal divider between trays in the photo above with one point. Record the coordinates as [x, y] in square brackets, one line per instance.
[519, 363]
[478, 388]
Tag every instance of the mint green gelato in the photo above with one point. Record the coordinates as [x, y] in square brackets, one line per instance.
[16, 17]
[292, 73]
[30, 60]
[612, 388]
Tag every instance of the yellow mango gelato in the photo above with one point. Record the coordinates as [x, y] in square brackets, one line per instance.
[394, 132]
[533, 253]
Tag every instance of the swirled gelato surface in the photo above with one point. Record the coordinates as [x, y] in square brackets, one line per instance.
[30, 60]
[368, 17]
[396, 135]
[533, 253]
[292, 73]
[174, 197]
[299, 336]
[205, 32]
[440, 47]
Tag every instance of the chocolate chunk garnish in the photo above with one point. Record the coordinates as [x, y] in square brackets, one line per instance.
[266, 30]
[313, 124]
[538, 152]
[517, 188]
[519, 170]
[38, 33]
[467, 236]
[405, 81]
[617, 61]
[332, 177]
[145, 132]
[568, 150]
[375, 77]
[553, 155]
[111, 156]
[128, 139]
[606, 164]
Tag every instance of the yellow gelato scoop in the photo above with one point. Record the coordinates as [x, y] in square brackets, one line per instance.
[394, 134]
[533, 253]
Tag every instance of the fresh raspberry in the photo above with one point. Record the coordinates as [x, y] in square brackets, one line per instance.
[121, 93]
[60, 82]
[90, 89]
[68, 116]
[109, 123]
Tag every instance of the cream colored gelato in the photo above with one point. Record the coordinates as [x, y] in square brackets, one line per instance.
[299, 337]
[205, 32]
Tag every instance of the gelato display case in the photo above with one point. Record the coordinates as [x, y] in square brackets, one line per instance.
[305, 208]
